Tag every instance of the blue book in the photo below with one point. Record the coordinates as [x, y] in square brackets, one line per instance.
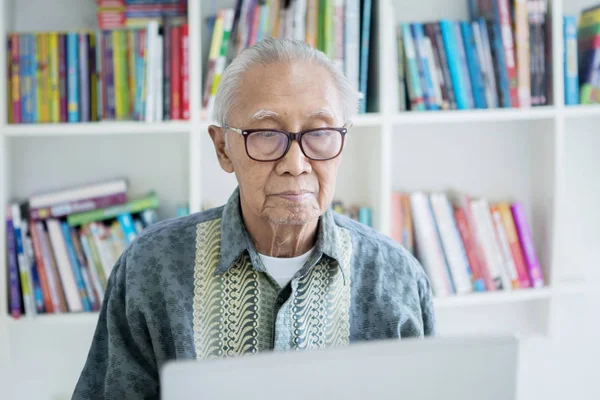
[413, 79]
[33, 78]
[570, 60]
[24, 79]
[76, 268]
[456, 73]
[13, 268]
[73, 77]
[464, 66]
[364, 54]
[500, 65]
[364, 216]
[127, 226]
[37, 288]
[475, 74]
[423, 63]
[139, 106]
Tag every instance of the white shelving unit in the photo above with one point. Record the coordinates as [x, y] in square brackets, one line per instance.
[544, 157]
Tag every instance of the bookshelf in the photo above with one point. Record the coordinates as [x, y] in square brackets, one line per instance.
[542, 156]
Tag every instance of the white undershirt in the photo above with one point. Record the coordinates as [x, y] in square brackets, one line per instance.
[283, 269]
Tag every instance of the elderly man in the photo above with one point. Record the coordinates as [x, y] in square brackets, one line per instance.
[275, 268]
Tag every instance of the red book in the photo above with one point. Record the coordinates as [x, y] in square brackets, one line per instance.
[515, 245]
[41, 267]
[62, 75]
[15, 72]
[176, 72]
[503, 13]
[185, 72]
[470, 249]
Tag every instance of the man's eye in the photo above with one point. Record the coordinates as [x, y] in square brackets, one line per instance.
[267, 134]
[319, 133]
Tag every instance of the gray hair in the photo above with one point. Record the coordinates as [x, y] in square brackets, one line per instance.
[272, 50]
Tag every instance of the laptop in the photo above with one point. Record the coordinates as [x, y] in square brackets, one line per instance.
[432, 368]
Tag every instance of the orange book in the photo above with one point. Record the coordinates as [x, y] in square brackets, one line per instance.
[515, 244]
[408, 240]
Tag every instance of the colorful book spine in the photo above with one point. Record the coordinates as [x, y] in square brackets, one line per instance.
[59, 302]
[76, 269]
[25, 79]
[213, 54]
[424, 71]
[63, 77]
[499, 59]
[435, 34]
[44, 78]
[364, 53]
[73, 77]
[120, 74]
[149, 202]
[474, 67]
[100, 87]
[531, 260]
[41, 267]
[176, 69]
[109, 77]
[521, 34]
[503, 18]
[85, 272]
[504, 247]
[470, 249]
[126, 223]
[140, 69]
[13, 267]
[168, 52]
[84, 77]
[221, 59]
[415, 91]
[93, 267]
[515, 245]
[95, 115]
[15, 74]
[185, 72]
[23, 262]
[491, 85]
[454, 64]
[33, 81]
[464, 65]
[77, 206]
[38, 296]
[131, 77]
[400, 66]
[570, 60]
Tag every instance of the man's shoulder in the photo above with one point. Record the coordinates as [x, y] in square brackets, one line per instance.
[373, 245]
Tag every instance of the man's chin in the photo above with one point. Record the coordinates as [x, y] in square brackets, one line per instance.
[294, 216]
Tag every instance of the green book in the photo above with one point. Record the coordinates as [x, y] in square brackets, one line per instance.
[135, 206]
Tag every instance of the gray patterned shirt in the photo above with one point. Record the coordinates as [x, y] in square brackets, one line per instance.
[195, 287]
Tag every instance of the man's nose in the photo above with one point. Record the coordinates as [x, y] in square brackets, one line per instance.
[295, 162]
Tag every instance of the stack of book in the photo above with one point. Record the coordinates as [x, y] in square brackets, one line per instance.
[341, 29]
[124, 74]
[120, 14]
[467, 246]
[497, 60]
[361, 214]
[63, 245]
[582, 57]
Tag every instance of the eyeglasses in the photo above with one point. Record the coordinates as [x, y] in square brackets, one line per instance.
[318, 144]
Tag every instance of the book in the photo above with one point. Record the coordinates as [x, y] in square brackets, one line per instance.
[148, 202]
[526, 240]
[571, 80]
[13, 267]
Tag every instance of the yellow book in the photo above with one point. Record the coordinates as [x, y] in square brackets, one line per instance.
[131, 70]
[589, 18]
[43, 79]
[54, 100]
[118, 74]
[14, 76]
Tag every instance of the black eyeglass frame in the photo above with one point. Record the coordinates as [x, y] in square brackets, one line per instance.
[297, 136]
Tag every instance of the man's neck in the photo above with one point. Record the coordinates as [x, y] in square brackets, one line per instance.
[280, 240]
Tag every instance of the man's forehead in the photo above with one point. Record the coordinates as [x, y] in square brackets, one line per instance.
[318, 113]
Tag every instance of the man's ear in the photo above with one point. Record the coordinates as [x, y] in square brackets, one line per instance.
[217, 134]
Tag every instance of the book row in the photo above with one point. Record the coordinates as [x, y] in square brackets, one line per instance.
[467, 245]
[582, 57]
[120, 14]
[135, 74]
[361, 214]
[339, 28]
[63, 245]
[496, 60]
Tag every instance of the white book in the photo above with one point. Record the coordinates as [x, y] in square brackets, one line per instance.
[24, 263]
[510, 267]
[452, 243]
[485, 230]
[435, 71]
[151, 48]
[352, 41]
[67, 195]
[87, 252]
[64, 265]
[428, 246]
[487, 53]
[158, 87]
[338, 33]
[299, 19]
[104, 248]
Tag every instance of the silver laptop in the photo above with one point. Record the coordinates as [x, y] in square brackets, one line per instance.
[465, 369]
